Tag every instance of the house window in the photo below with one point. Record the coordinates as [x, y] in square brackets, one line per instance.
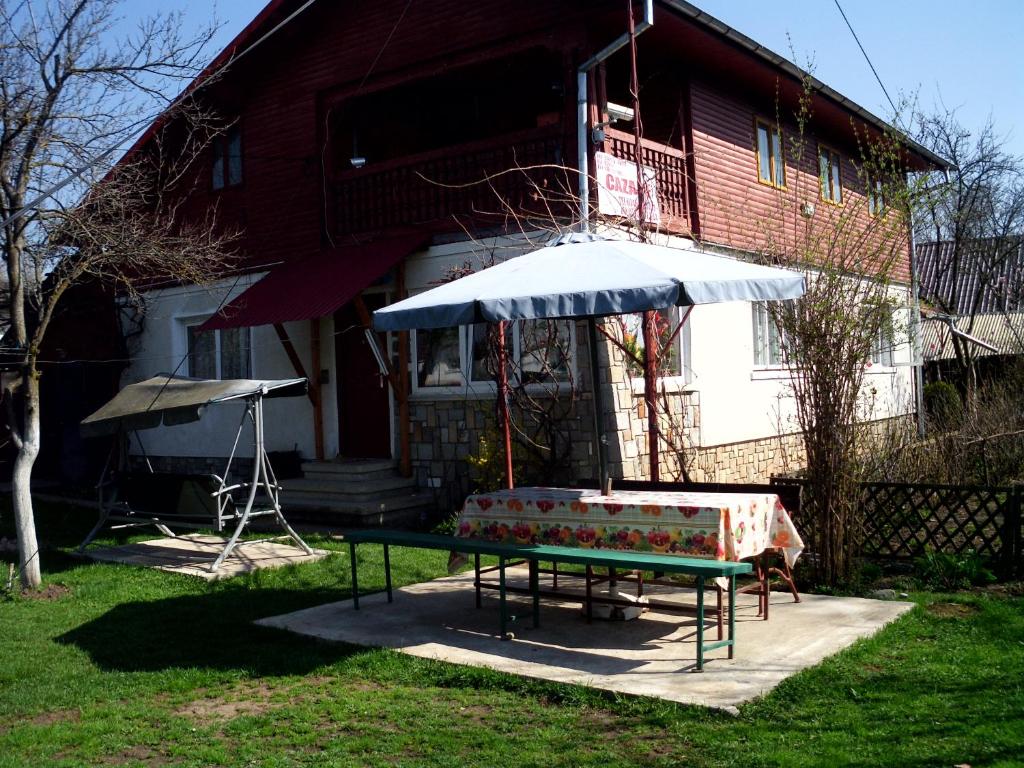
[769, 339]
[771, 166]
[830, 175]
[882, 346]
[227, 158]
[219, 354]
[673, 350]
[876, 199]
[457, 357]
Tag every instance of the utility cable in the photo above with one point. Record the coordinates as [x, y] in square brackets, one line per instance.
[867, 59]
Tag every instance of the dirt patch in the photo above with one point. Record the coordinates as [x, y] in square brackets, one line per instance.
[49, 593]
[952, 610]
[135, 756]
[207, 710]
[56, 717]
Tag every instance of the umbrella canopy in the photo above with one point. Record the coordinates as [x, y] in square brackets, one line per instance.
[585, 275]
[172, 400]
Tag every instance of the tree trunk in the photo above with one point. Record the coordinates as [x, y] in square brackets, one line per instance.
[24, 519]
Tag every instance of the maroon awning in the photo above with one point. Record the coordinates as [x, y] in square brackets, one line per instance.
[313, 287]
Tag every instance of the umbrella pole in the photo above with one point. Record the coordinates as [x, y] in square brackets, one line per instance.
[506, 420]
[651, 390]
[602, 438]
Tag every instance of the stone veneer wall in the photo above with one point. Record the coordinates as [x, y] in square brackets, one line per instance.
[445, 432]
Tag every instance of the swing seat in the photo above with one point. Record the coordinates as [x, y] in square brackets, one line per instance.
[183, 500]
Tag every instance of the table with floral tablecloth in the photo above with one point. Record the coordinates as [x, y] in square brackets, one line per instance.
[724, 526]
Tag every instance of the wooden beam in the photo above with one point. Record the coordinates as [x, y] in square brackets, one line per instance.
[296, 361]
[314, 384]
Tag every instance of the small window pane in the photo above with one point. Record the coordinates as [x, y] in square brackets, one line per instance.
[671, 363]
[218, 164]
[482, 359]
[764, 170]
[202, 353]
[234, 354]
[234, 142]
[837, 184]
[760, 317]
[544, 350]
[777, 160]
[437, 358]
[823, 173]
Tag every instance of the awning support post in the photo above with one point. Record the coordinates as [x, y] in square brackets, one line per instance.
[314, 384]
[503, 410]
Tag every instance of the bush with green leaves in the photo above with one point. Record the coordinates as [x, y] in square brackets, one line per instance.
[949, 572]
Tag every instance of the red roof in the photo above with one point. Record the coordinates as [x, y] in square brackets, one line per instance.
[313, 287]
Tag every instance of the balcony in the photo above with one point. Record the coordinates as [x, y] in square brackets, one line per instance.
[669, 166]
[480, 182]
[475, 182]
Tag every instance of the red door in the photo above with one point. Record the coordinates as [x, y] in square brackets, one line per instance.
[364, 417]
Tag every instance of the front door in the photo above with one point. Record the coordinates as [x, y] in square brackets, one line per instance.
[364, 399]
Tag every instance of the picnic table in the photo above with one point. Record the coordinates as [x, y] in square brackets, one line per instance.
[722, 526]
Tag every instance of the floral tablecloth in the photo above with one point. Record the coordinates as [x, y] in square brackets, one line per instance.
[725, 526]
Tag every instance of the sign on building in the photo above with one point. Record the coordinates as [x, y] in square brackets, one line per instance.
[618, 192]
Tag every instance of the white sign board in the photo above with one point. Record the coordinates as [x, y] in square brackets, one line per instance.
[617, 189]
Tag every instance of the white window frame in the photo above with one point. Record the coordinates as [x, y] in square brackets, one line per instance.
[488, 388]
[762, 346]
[187, 323]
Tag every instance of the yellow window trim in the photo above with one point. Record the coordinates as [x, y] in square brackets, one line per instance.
[758, 122]
[822, 148]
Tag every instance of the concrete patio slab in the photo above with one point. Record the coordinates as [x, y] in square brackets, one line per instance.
[192, 555]
[651, 656]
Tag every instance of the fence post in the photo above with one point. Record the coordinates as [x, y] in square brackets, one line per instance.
[1011, 535]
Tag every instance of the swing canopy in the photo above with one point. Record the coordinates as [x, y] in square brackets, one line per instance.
[172, 400]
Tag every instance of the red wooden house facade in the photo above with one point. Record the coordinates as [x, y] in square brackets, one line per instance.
[360, 133]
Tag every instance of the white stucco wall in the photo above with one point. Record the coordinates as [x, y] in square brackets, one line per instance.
[740, 401]
[162, 345]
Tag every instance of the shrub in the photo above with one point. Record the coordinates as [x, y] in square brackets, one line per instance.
[949, 572]
[942, 400]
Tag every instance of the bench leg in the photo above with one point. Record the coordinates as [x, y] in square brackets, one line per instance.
[355, 577]
[501, 599]
[718, 594]
[387, 573]
[590, 604]
[535, 591]
[476, 578]
[732, 615]
[554, 576]
[700, 624]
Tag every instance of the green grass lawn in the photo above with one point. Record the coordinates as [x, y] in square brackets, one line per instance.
[131, 667]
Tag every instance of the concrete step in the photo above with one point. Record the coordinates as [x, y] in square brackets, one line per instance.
[385, 511]
[352, 469]
[331, 485]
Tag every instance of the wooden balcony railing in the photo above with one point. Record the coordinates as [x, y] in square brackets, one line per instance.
[669, 166]
[472, 180]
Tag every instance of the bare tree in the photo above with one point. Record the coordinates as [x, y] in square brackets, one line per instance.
[70, 94]
[974, 225]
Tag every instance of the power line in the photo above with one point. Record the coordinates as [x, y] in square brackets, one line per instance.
[867, 59]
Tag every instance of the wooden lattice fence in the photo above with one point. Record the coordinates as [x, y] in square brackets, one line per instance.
[904, 520]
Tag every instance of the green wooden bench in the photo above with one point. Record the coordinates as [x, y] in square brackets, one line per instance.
[703, 570]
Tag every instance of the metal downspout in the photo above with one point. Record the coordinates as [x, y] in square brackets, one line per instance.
[582, 139]
[915, 332]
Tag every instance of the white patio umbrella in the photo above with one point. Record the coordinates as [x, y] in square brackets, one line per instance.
[583, 275]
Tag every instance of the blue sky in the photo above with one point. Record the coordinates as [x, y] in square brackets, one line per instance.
[963, 55]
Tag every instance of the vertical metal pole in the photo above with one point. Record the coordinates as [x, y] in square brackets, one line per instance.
[355, 580]
[916, 353]
[595, 382]
[651, 391]
[506, 421]
[387, 572]
[700, 623]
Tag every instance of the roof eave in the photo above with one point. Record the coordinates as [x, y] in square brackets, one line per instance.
[780, 62]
